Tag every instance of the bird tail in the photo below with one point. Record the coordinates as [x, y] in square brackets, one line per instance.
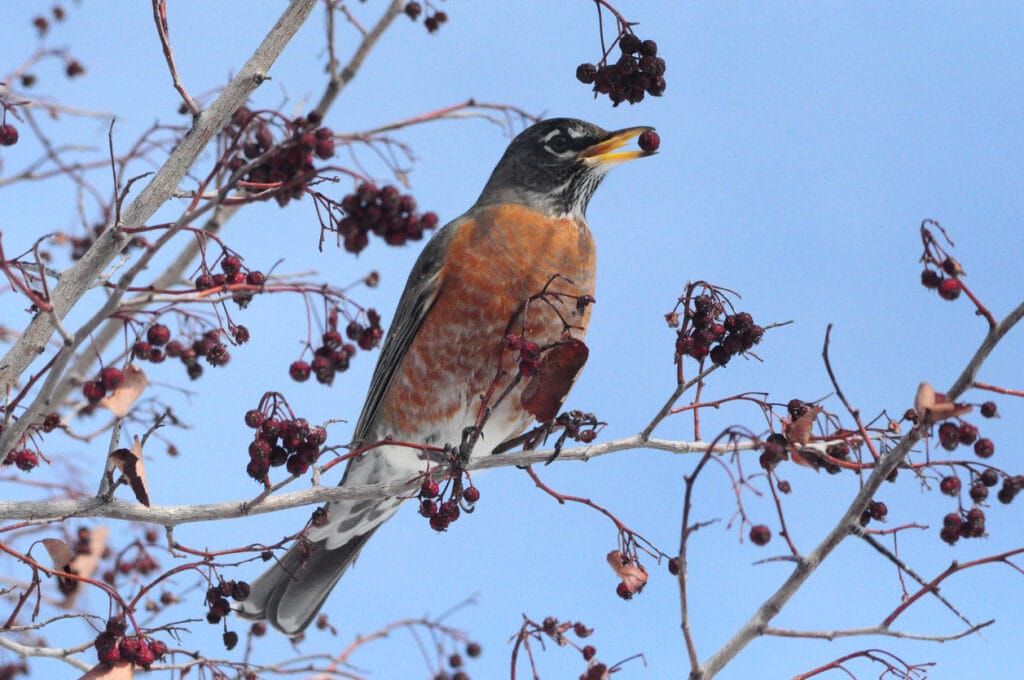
[290, 594]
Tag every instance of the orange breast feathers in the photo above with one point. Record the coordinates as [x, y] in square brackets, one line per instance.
[497, 266]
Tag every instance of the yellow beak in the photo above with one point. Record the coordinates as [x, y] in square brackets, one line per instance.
[605, 151]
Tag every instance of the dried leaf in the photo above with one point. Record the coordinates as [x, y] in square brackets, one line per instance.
[800, 429]
[60, 552]
[932, 406]
[122, 670]
[555, 376]
[633, 576]
[120, 401]
[129, 462]
[86, 562]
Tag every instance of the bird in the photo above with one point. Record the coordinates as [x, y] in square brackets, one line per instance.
[519, 263]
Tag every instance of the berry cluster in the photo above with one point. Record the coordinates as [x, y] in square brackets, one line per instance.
[217, 603]
[876, 510]
[385, 212]
[278, 441]
[9, 670]
[432, 21]
[143, 564]
[705, 336]
[289, 165]
[112, 646]
[638, 71]
[333, 355]
[529, 353]
[947, 284]
[42, 24]
[233, 275]
[440, 512]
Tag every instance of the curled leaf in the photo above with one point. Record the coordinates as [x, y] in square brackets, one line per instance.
[60, 553]
[120, 401]
[932, 406]
[633, 576]
[548, 387]
[129, 462]
[85, 562]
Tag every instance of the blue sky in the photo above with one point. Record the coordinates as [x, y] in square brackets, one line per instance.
[802, 145]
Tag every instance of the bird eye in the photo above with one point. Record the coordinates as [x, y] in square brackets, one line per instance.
[558, 144]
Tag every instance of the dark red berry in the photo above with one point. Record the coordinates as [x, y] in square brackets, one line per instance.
[949, 435]
[26, 459]
[472, 494]
[299, 371]
[473, 650]
[629, 43]
[429, 489]
[230, 639]
[760, 534]
[988, 409]
[413, 9]
[878, 510]
[158, 334]
[623, 591]
[950, 535]
[989, 477]
[586, 73]
[968, 433]
[8, 135]
[930, 278]
[673, 566]
[74, 68]
[93, 391]
[112, 378]
[950, 289]
[950, 485]
[142, 350]
[979, 492]
[649, 141]
[589, 652]
[984, 448]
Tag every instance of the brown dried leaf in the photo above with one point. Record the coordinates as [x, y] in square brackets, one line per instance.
[120, 401]
[932, 406]
[555, 376]
[60, 552]
[87, 562]
[633, 576]
[129, 462]
[801, 428]
[122, 670]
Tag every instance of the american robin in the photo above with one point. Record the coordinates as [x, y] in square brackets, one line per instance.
[521, 261]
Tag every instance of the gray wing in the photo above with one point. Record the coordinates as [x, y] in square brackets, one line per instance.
[420, 292]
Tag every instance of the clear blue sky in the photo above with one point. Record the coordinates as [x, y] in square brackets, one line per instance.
[802, 144]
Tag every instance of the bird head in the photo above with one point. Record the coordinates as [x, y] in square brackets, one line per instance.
[556, 165]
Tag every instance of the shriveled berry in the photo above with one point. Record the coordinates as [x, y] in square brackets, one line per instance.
[649, 141]
[949, 535]
[760, 534]
[472, 494]
[629, 43]
[979, 492]
[878, 510]
[950, 485]
[950, 289]
[586, 73]
[988, 409]
[589, 652]
[673, 566]
[930, 278]
[230, 639]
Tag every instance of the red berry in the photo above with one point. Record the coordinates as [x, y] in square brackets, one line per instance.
[984, 448]
[950, 485]
[74, 68]
[8, 135]
[253, 418]
[299, 371]
[649, 141]
[623, 591]
[231, 264]
[989, 477]
[979, 492]
[472, 494]
[230, 639]
[589, 652]
[878, 510]
[760, 534]
[949, 535]
[26, 459]
[93, 391]
[968, 433]
[112, 378]
[438, 522]
[473, 650]
[157, 648]
[950, 289]
[429, 489]
[142, 350]
[158, 334]
[586, 73]
[949, 436]
[988, 409]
